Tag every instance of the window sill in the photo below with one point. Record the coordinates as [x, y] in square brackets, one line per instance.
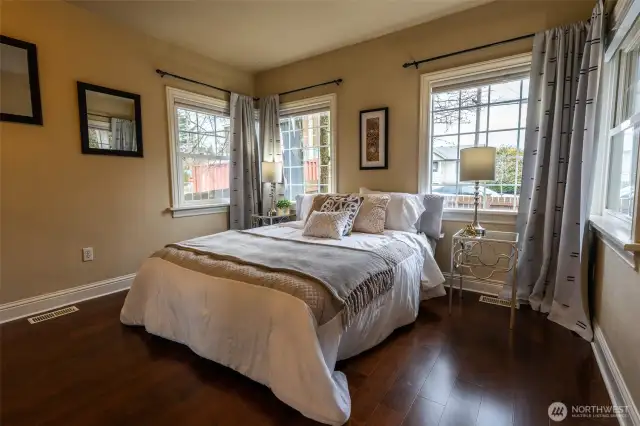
[186, 211]
[617, 236]
[496, 217]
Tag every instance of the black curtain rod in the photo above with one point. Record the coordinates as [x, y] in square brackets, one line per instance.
[435, 58]
[179, 77]
[336, 82]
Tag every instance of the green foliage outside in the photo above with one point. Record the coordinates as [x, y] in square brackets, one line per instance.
[325, 156]
[507, 157]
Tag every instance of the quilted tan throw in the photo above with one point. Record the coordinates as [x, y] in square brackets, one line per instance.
[353, 277]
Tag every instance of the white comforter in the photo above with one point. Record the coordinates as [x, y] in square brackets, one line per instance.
[271, 336]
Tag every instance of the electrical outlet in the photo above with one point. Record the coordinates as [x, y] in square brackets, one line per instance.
[87, 254]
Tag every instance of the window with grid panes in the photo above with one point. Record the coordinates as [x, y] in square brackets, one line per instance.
[485, 112]
[623, 72]
[307, 149]
[201, 151]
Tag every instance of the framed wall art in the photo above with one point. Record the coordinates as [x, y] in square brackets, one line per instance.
[374, 132]
[20, 95]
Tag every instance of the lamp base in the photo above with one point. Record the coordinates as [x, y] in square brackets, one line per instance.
[272, 212]
[480, 231]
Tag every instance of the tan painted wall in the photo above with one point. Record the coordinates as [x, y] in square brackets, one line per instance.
[374, 77]
[616, 301]
[54, 200]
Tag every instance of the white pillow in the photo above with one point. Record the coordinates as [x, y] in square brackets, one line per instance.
[303, 205]
[403, 210]
[326, 224]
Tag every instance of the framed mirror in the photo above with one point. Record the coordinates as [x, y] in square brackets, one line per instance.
[20, 94]
[110, 121]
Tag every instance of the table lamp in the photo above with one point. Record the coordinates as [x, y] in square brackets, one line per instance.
[272, 173]
[478, 164]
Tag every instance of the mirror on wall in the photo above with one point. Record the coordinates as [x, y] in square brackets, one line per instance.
[110, 121]
[20, 94]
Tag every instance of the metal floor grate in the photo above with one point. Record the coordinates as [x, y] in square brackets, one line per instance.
[52, 315]
[497, 301]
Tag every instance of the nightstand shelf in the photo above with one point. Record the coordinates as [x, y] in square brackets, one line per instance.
[469, 253]
[258, 220]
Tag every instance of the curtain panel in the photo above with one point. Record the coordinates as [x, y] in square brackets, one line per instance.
[244, 182]
[556, 179]
[270, 143]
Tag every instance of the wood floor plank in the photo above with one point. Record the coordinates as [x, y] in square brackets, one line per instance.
[385, 416]
[441, 379]
[496, 408]
[463, 405]
[88, 369]
[424, 413]
[404, 390]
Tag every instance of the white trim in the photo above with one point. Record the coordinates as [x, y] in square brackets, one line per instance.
[46, 302]
[484, 216]
[613, 379]
[462, 74]
[178, 96]
[475, 285]
[196, 210]
[303, 106]
[617, 238]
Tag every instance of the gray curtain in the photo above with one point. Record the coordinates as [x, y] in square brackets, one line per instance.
[244, 179]
[556, 177]
[270, 142]
[123, 134]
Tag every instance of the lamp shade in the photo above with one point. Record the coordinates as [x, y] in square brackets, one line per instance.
[271, 171]
[478, 163]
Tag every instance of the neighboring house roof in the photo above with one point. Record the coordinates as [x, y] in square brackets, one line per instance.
[445, 153]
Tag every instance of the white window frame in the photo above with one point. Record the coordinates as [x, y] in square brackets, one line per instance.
[468, 73]
[178, 96]
[619, 232]
[309, 105]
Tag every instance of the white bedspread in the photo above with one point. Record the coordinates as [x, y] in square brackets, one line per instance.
[271, 336]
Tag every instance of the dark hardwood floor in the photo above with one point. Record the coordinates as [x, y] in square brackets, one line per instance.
[465, 369]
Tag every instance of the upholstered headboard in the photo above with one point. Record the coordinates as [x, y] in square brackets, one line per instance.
[431, 220]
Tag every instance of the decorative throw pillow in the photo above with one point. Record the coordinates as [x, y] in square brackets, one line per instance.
[303, 206]
[372, 214]
[326, 225]
[403, 210]
[318, 201]
[344, 203]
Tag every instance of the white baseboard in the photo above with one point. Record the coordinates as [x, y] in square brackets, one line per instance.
[46, 302]
[613, 379]
[488, 287]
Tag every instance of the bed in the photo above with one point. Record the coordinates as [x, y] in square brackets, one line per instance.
[272, 322]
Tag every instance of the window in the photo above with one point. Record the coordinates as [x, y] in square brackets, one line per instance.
[100, 135]
[478, 105]
[615, 204]
[307, 132]
[199, 128]
[624, 132]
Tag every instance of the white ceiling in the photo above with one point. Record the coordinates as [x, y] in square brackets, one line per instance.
[255, 35]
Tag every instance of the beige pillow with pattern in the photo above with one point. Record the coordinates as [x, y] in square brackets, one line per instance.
[372, 214]
[326, 225]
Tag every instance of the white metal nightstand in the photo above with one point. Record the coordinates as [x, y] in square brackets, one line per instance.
[258, 220]
[467, 252]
